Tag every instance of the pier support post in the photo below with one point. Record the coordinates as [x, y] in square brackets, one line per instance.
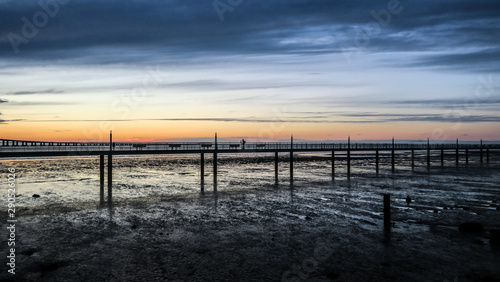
[101, 177]
[376, 161]
[291, 160]
[456, 156]
[202, 171]
[110, 176]
[215, 164]
[393, 163]
[276, 167]
[481, 151]
[387, 211]
[442, 157]
[412, 159]
[333, 165]
[487, 155]
[349, 158]
[428, 154]
[110, 168]
[466, 156]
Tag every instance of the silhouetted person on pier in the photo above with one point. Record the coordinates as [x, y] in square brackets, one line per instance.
[243, 142]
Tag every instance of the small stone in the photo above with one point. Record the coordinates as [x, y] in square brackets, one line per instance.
[308, 218]
[436, 211]
[471, 227]
[36, 196]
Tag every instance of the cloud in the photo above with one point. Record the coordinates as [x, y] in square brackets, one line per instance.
[91, 31]
[47, 91]
[41, 103]
[3, 101]
[357, 118]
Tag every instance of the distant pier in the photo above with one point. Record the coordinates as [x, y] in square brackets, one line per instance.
[24, 148]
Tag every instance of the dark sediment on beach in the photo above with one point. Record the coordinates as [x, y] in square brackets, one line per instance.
[314, 231]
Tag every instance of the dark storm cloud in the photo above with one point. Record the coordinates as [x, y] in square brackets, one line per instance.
[181, 28]
[3, 101]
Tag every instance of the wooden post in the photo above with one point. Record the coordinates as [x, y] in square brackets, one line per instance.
[276, 167]
[202, 171]
[456, 155]
[376, 161]
[215, 164]
[412, 159]
[392, 154]
[101, 176]
[349, 158]
[333, 165]
[467, 156]
[428, 154]
[481, 151]
[110, 168]
[291, 160]
[487, 155]
[387, 211]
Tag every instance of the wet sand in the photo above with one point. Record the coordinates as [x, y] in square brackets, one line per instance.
[313, 231]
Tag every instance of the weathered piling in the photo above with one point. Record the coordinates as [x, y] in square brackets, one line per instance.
[349, 158]
[393, 162]
[215, 164]
[387, 211]
[202, 171]
[333, 165]
[428, 154]
[101, 176]
[291, 160]
[110, 168]
[412, 159]
[276, 168]
[481, 151]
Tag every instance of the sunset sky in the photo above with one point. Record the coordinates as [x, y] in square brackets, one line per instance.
[320, 70]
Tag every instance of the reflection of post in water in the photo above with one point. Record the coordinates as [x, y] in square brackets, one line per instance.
[292, 194]
[110, 209]
[216, 203]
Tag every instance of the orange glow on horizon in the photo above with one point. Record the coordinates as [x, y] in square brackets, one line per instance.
[155, 131]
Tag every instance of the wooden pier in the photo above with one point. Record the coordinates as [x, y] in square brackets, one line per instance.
[23, 148]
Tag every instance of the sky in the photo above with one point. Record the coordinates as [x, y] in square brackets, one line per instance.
[72, 70]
